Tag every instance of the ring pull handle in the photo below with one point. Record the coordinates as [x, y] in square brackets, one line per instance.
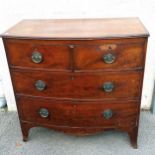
[40, 85]
[43, 112]
[37, 57]
[107, 114]
[108, 87]
[109, 58]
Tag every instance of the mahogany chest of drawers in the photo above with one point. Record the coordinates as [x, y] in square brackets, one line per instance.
[79, 76]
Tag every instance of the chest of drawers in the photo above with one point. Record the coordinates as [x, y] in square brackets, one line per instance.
[79, 76]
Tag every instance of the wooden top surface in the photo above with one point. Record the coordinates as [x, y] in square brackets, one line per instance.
[78, 29]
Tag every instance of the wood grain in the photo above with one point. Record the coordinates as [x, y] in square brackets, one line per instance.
[78, 85]
[78, 28]
[83, 57]
[78, 114]
[54, 56]
[127, 56]
[74, 73]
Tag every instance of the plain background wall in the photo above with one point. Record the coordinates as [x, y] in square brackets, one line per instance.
[12, 11]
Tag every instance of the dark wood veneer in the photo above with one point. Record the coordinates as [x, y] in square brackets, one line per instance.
[78, 114]
[127, 56]
[78, 85]
[87, 57]
[74, 72]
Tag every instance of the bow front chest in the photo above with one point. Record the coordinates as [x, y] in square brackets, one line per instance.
[78, 76]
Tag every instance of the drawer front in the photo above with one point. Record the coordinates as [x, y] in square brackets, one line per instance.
[34, 55]
[57, 55]
[78, 114]
[109, 57]
[115, 113]
[45, 111]
[108, 85]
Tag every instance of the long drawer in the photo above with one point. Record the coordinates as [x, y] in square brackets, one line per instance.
[107, 85]
[78, 114]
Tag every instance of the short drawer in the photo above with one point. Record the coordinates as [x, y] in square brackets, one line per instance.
[78, 114]
[109, 56]
[39, 55]
[82, 86]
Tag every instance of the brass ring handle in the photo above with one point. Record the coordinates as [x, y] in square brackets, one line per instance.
[43, 112]
[109, 58]
[108, 87]
[107, 114]
[40, 85]
[36, 57]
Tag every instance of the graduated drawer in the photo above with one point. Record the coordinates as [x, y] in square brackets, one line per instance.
[82, 86]
[78, 114]
[39, 55]
[109, 56]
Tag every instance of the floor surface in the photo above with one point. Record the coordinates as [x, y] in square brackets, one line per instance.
[48, 142]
